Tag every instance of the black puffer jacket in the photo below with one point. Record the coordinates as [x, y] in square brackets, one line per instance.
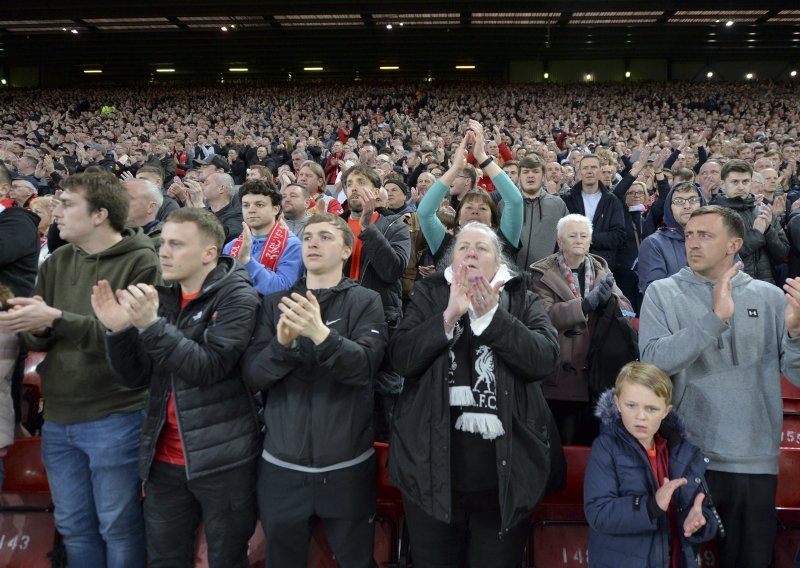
[525, 345]
[194, 352]
[760, 251]
[19, 249]
[318, 399]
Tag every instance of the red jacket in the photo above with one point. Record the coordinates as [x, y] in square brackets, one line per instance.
[504, 155]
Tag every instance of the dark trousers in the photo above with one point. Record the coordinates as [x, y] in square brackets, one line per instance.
[576, 422]
[746, 506]
[343, 500]
[174, 507]
[471, 539]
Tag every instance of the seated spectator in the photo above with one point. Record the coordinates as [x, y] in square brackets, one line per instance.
[267, 247]
[23, 191]
[312, 176]
[663, 253]
[154, 176]
[43, 207]
[146, 201]
[397, 193]
[642, 441]
[295, 201]
[216, 193]
[572, 285]
[470, 442]
[237, 166]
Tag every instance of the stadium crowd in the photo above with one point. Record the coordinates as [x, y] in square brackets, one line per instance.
[239, 288]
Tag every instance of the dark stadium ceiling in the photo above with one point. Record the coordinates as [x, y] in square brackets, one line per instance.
[271, 39]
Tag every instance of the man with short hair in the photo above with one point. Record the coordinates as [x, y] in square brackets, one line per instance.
[315, 354]
[90, 438]
[709, 178]
[663, 253]
[200, 439]
[511, 167]
[765, 242]
[541, 212]
[218, 190]
[22, 191]
[589, 197]
[725, 338]
[382, 246]
[267, 247]
[155, 176]
[295, 203]
[145, 202]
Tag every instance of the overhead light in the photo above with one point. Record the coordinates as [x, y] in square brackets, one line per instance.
[388, 26]
[165, 70]
[465, 67]
[546, 75]
[751, 40]
[793, 74]
[3, 82]
[233, 26]
[401, 24]
[312, 69]
[389, 67]
[710, 74]
[729, 23]
[73, 30]
[64, 29]
[238, 69]
[627, 74]
[90, 71]
[588, 77]
[224, 28]
[748, 76]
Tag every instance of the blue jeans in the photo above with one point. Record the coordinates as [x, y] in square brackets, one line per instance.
[94, 481]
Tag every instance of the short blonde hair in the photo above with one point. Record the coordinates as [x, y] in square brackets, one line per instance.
[648, 376]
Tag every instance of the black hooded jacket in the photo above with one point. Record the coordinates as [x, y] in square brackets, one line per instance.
[608, 225]
[194, 352]
[318, 398]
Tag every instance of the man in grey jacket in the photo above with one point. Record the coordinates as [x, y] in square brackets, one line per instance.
[725, 338]
[541, 212]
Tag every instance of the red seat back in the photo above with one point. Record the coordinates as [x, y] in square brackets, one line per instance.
[572, 494]
[24, 471]
[788, 495]
[31, 362]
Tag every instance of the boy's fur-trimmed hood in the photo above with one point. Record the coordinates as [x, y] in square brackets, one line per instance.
[608, 413]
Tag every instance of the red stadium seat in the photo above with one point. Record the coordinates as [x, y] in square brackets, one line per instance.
[28, 536]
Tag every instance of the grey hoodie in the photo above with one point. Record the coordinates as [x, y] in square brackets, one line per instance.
[726, 375]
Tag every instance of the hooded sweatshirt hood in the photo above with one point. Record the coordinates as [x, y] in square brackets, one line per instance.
[608, 413]
[672, 229]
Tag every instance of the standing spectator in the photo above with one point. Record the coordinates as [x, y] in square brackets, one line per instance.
[470, 445]
[200, 438]
[725, 338]
[146, 199]
[765, 242]
[216, 193]
[663, 253]
[591, 198]
[90, 438]
[267, 247]
[641, 457]
[573, 285]
[295, 201]
[315, 355]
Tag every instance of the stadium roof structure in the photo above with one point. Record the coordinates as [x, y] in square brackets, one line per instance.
[343, 37]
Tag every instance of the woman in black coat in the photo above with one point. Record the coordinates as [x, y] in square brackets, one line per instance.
[470, 448]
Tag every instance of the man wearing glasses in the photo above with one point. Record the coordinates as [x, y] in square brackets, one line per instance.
[663, 253]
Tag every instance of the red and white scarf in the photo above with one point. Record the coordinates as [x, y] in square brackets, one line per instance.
[273, 248]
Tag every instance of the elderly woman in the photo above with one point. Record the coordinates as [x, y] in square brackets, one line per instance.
[471, 203]
[470, 441]
[572, 284]
[43, 206]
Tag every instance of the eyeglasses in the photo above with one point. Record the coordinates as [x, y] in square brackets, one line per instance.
[635, 193]
[680, 201]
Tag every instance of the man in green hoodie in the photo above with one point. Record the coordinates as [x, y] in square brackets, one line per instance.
[90, 439]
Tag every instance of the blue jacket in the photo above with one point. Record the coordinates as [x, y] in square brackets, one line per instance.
[663, 253]
[290, 266]
[619, 495]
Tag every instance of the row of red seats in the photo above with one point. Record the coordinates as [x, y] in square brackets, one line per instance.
[558, 536]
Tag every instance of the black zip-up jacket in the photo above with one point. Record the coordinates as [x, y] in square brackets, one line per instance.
[385, 250]
[318, 398]
[608, 225]
[195, 352]
[526, 350]
[19, 249]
